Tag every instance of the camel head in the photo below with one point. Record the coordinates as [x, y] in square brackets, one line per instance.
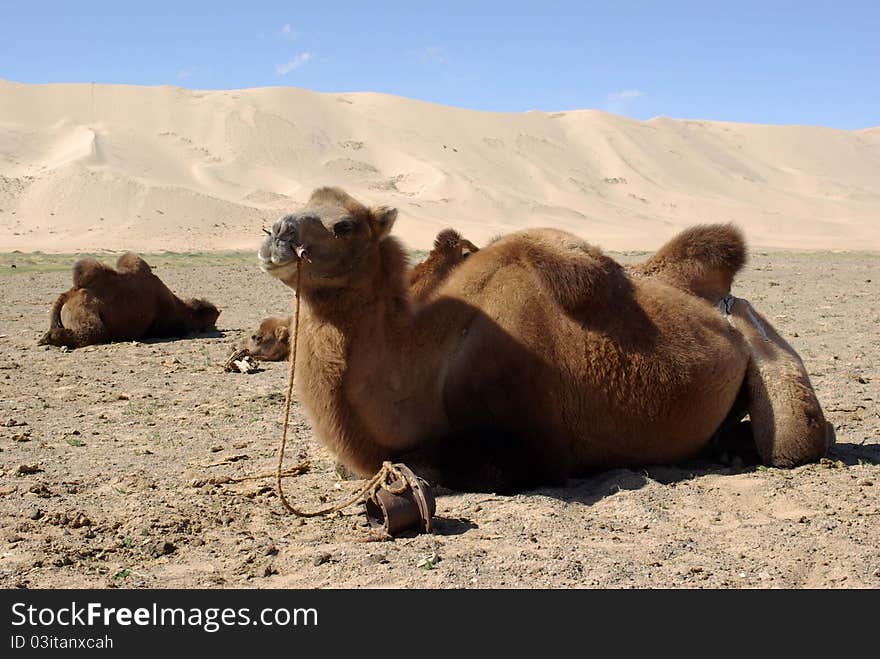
[468, 248]
[271, 341]
[203, 315]
[334, 234]
[453, 247]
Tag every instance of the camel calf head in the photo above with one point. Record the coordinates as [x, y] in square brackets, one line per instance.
[450, 250]
[452, 246]
[271, 340]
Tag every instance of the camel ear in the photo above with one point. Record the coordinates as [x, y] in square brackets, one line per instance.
[282, 333]
[381, 220]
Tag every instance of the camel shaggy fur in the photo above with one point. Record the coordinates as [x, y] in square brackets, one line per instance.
[537, 359]
[271, 341]
[124, 304]
[701, 260]
[787, 421]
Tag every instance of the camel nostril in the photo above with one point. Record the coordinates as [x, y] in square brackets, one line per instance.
[303, 253]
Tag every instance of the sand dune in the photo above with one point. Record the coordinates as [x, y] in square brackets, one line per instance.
[87, 166]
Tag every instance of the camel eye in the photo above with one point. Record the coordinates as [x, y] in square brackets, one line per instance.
[343, 228]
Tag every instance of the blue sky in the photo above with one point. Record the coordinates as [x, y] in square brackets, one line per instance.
[762, 62]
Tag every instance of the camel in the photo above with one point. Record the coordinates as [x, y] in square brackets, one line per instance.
[124, 304]
[538, 359]
[449, 250]
[271, 341]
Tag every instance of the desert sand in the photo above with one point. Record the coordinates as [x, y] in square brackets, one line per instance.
[116, 460]
[87, 166]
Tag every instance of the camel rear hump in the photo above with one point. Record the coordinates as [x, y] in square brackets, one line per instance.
[131, 262]
[702, 260]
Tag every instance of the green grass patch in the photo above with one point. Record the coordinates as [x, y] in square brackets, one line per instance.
[122, 574]
[12, 263]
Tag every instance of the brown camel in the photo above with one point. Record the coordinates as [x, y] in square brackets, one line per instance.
[271, 341]
[124, 304]
[450, 249]
[702, 260]
[539, 357]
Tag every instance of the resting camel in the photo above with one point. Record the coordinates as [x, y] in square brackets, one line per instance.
[271, 340]
[124, 304]
[539, 358]
[449, 250]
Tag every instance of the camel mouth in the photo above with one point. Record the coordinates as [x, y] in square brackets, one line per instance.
[268, 264]
[273, 255]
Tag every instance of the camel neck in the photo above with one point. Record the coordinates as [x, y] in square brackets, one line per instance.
[354, 367]
[381, 293]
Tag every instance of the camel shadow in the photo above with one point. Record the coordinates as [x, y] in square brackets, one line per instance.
[208, 334]
[855, 454]
[590, 489]
[449, 526]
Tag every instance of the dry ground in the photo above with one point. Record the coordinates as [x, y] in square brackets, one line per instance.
[117, 437]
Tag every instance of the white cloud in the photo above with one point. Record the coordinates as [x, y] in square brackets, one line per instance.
[185, 72]
[295, 63]
[433, 55]
[625, 95]
[287, 32]
[620, 102]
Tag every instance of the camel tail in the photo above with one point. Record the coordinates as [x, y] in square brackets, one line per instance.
[703, 259]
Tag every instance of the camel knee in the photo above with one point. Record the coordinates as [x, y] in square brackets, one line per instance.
[59, 336]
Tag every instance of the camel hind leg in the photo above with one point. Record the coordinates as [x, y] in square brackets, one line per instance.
[788, 424]
[76, 322]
